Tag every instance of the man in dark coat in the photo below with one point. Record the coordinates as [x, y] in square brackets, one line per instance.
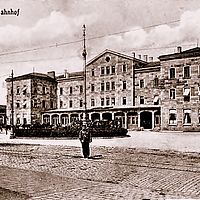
[85, 138]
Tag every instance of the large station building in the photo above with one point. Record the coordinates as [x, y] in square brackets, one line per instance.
[141, 93]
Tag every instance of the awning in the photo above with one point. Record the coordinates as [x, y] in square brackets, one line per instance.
[187, 111]
[156, 99]
[186, 92]
[173, 111]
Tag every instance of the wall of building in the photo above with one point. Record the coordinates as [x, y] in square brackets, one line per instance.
[22, 101]
[109, 60]
[179, 83]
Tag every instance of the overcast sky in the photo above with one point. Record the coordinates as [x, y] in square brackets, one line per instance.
[141, 26]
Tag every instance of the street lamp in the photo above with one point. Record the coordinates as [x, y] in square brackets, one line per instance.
[84, 54]
[12, 135]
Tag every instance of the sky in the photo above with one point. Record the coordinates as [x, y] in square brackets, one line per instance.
[47, 34]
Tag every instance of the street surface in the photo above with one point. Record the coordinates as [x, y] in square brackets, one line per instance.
[144, 166]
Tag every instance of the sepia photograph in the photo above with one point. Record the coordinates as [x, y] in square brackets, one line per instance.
[99, 99]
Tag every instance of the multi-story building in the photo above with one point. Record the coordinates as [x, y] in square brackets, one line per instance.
[2, 115]
[163, 94]
[32, 93]
[180, 76]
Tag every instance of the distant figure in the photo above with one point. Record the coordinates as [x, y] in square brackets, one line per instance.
[85, 138]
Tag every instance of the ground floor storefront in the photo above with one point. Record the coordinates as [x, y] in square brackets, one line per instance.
[130, 118]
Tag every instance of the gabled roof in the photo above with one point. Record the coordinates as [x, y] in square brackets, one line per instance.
[117, 54]
[194, 52]
[31, 76]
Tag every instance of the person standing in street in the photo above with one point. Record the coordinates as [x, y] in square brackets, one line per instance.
[85, 138]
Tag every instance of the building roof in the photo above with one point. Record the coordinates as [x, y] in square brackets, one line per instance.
[117, 54]
[31, 76]
[194, 52]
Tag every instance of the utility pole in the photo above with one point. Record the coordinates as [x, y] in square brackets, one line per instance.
[84, 54]
[12, 135]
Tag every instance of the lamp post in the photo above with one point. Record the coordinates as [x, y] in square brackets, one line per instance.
[84, 54]
[12, 135]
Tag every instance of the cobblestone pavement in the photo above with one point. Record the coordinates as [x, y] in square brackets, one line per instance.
[59, 172]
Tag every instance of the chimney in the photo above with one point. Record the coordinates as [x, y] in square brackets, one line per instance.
[66, 74]
[51, 74]
[150, 59]
[139, 56]
[145, 58]
[133, 54]
[179, 49]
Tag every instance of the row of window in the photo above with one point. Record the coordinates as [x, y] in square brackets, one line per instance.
[109, 70]
[186, 72]
[35, 90]
[104, 102]
[105, 86]
[35, 104]
[187, 92]
[186, 117]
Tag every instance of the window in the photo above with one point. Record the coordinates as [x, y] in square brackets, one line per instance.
[102, 86]
[24, 104]
[43, 90]
[92, 102]
[141, 100]
[70, 103]
[102, 70]
[35, 103]
[186, 94]
[61, 91]
[17, 104]
[133, 120]
[124, 101]
[187, 117]
[124, 68]
[108, 70]
[172, 94]
[172, 73]
[24, 90]
[81, 89]
[61, 104]
[172, 117]
[156, 100]
[113, 85]
[102, 101]
[92, 72]
[70, 90]
[81, 103]
[107, 86]
[199, 116]
[92, 87]
[156, 82]
[113, 69]
[18, 90]
[43, 104]
[107, 101]
[186, 72]
[51, 104]
[124, 85]
[142, 83]
[107, 59]
[192, 91]
[113, 101]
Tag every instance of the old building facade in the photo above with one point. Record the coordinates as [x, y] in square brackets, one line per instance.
[164, 94]
[32, 93]
[2, 115]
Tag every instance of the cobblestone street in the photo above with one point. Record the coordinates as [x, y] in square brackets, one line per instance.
[59, 172]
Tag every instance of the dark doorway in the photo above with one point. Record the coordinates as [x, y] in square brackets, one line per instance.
[95, 116]
[107, 116]
[146, 120]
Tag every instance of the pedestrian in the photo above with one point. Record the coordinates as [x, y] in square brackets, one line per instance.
[85, 138]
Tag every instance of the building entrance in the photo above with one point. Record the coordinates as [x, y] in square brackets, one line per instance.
[146, 120]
